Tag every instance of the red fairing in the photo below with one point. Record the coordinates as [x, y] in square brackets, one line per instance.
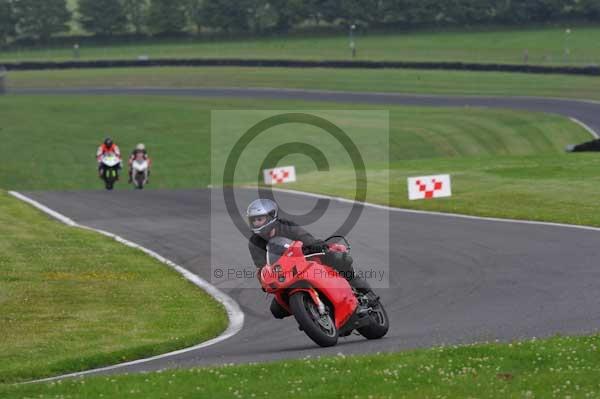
[293, 273]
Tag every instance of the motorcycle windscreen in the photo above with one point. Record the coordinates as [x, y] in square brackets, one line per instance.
[276, 248]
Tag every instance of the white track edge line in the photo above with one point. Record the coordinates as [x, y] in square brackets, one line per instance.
[234, 312]
[586, 127]
[433, 213]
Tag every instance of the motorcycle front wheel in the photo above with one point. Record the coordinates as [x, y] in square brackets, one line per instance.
[320, 328]
[139, 181]
[109, 182]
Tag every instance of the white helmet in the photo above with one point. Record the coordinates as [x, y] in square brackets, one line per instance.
[140, 147]
[262, 214]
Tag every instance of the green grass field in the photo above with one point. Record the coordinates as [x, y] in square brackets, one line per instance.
[73, 300]
[546, 46]
[504, 164]
[495, 157]
[386, 80]
[554, 368]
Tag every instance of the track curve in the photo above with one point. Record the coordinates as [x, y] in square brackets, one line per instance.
[452, 280]
[582, 110]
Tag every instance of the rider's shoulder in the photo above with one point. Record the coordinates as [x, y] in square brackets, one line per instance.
[257, 240]
[287, 222]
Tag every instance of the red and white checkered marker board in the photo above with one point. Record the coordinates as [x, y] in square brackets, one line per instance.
[285, 174]
[428, 187]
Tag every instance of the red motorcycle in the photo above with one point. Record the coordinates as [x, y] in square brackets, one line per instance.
[323, 302]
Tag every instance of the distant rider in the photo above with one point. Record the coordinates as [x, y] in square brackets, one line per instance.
[264, 221]
[139, 149]
[107, 147]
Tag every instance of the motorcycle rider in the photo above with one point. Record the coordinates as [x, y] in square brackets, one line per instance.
[265, 223]
[139, 149]
[106, 147]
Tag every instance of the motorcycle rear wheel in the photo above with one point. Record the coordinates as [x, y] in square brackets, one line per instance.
[379, 326]
[321, 329]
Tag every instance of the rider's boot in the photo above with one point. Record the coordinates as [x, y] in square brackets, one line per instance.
[361, 285]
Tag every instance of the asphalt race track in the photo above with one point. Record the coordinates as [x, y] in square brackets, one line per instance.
[585, 111]
[451, 280]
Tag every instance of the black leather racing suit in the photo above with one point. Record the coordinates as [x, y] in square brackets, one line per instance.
[288, 229]
[283, 228]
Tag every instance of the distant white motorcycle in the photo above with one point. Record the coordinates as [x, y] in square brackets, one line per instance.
[140, 172]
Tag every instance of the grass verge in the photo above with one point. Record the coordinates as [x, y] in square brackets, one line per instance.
[385, 80]
[545, 46]
[542, 188]
[554, 368]
[73, 300]
[504, 163]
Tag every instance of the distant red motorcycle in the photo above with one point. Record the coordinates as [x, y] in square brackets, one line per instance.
[323, 302]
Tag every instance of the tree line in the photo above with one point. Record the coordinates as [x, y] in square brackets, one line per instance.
[41, 19]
